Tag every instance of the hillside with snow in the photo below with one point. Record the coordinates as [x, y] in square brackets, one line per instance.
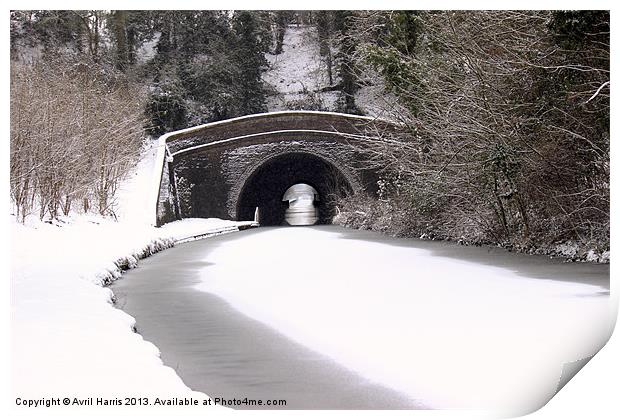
[296, 76]
[297, 79]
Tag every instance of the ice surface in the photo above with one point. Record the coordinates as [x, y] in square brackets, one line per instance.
[452, 333]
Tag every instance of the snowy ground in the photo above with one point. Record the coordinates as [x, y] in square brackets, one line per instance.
[298, 71]
[452, 333]
[66, 337]
[297, 75]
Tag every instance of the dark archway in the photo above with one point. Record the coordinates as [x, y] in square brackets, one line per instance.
[268, 183]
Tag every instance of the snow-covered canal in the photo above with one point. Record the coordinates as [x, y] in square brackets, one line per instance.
[326, 317]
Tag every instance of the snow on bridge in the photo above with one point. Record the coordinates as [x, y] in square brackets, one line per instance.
[227, 169]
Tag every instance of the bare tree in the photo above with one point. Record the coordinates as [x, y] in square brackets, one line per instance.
[75, 132]
[506, 127]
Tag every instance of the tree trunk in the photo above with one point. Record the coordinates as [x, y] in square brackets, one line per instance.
[120, 33]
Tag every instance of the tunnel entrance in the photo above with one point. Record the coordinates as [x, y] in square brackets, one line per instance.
[267, 186]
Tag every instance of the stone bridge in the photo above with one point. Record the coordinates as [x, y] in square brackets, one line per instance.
[227, 169]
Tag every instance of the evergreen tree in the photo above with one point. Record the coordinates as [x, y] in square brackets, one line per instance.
[249, 56]
[218, 60]
[166, 108]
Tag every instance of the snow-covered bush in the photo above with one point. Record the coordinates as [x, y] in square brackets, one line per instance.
[520, 160]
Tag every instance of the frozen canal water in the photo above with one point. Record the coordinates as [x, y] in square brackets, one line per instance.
[326, 317]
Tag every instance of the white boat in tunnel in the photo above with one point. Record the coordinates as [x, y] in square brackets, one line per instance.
[301, 209]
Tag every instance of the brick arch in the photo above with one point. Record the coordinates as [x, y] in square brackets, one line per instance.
[203, 170]
[315, 169]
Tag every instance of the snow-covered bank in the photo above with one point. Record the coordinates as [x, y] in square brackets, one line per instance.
[67, 338]
[452, 333]
[388, 217]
